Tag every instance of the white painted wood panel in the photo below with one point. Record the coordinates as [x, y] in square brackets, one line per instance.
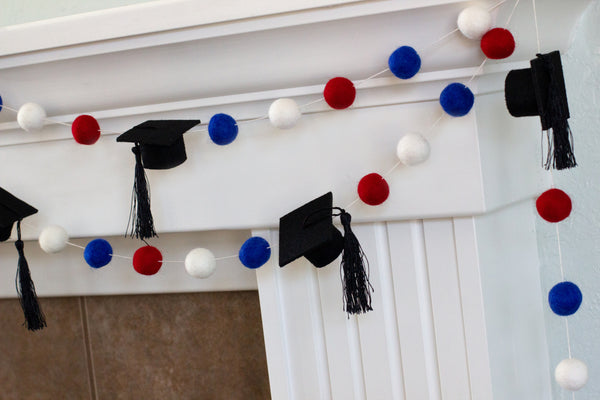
[473, 312]
[428, 337]
[447, 309]
[413, 310]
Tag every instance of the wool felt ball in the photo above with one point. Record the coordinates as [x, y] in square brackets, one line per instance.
[222, 129]
[373, 189]
[53, 239]
[200, 263]
[1, 103]
[339, 93]
[284, 113]
[85, 130]
[554, 205]
[147, 260]
[457, 100]
[571, 374]
[498, 43]
[31, 117]
[255, 252]
[473, 22]
[404, 62]
[565, 298]
[413, 149]
[98, 253]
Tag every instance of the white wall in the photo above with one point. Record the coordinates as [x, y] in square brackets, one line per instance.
[579, 233]
[22, 11]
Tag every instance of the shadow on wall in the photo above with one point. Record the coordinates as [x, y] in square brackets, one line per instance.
[580, 233]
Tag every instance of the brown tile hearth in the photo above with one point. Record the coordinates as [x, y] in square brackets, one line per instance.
[178, 346]
[48, 364]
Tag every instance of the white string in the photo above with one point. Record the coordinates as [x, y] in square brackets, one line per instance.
[359, 83]
[511, 13]
[477, 71]
[75, 245]
[537, 32]
[9, 108]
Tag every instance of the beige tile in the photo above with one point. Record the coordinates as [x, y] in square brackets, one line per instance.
[47, 364]
[178, 346]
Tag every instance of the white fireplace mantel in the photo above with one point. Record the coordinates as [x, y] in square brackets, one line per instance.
[458, 305]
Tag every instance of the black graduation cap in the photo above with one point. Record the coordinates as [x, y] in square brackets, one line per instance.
[160, 141]
[158, 145]
[14, 210]
[540, 90]
[309, 231]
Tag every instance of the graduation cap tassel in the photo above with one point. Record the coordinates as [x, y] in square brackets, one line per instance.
[34, 317]
[355, 271]
[562, 156]
[141, 222]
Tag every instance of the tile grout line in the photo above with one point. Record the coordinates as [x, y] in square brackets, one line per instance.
[88, 349]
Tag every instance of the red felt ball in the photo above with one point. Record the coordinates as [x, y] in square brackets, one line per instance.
[373, 189]
[553, 205]
[498, 43]
[339, 93]
[85, 129]
[147, 260]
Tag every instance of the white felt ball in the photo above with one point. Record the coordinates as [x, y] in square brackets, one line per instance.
[200, 263]
[412, 149]
[31, 117]
[571, 374]
[474, 22]
[284, 113]
[53, 239]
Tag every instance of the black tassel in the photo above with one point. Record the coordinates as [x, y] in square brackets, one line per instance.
[140, 216]
[355, 271]
[555, 118]
[34, 317]
[560, 152]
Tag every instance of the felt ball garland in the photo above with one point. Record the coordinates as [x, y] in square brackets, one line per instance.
[571, 374]
[200, 263]
[284, 113]
[222, 129]
[457, 100]
[85, 130]
[147, 260]
[98, 253]
[498, 43]
[404, 62]
[31, 117]
[339, 93]
[473, 22]
[53, 239]
[255, 252]
[373, 189]
[553, 205]
[413, 149]
[565, 298]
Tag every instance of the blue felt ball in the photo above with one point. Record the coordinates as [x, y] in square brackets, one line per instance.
[457, 99]
[565, 298]
[98, 253]
[222, 129]
[255, 252]
[1, 103]
[404, 62]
